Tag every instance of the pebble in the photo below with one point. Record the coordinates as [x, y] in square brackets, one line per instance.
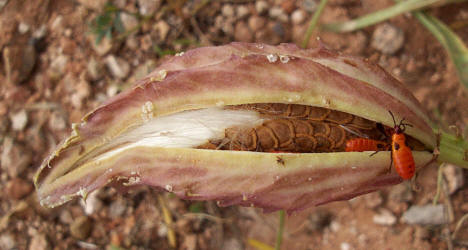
[58, 64]
[190, 242]
[57, 121]
[101, 48]
[39, 242]
[228, 11]
[40, 32]
[81, 228]
[242, 11]
[335, 226]
[384, 217]
[309, 5]
[15, 158]
[242, 32]
[262, 7]
[278, 14]
[23, 28]
[228, 27]
[7, 241]
[401, 193]
[129, 22]
[162, 28]
[18, 188]
[148, 7]
[65, 217]
[81, 91]
[19, 120]
[373, 200]
[93, 4]
[298, 16]
[454, 176]
[256, 23]
[387, 38]
[119, 68]
[94, 69]
[426, 215]
[117, 208]
[345, 246]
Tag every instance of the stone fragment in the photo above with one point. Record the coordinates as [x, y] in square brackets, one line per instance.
[385, 218]
[298, 16]
[19, 120]
[81, 228]
[261, 7]
[15, 157]
[39, 242]
[129, 22]
[119, 68]
[162, 29]
[387, 38]
[148, 7]
[242, 32]
[454, 176]
[426, 215]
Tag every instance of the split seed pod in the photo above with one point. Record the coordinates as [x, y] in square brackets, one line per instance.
[246, 124]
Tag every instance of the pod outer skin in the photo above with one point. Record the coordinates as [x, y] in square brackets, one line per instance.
[233, 74]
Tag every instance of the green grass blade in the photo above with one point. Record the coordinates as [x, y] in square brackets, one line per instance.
[279, 235]
[455, 47]
[313, 22]
[382, 15]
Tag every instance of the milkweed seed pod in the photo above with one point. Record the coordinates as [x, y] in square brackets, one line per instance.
[248, 124]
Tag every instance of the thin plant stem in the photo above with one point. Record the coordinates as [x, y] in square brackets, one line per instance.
[171, 236]
[259, 245]
[439, 184]
[313, 22]
[382, 15]
[459, 225]
[279, 235]
[456, 49]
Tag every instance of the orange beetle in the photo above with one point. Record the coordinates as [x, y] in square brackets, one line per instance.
[401, 153]
[364, 144]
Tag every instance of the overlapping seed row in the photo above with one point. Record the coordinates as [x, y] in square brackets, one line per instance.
[295, 128]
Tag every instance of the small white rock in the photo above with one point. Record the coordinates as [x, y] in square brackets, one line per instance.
[426, 215]
[228, 11]
[261, 7]
[130, 22]
[345, 246]
[148, 7]
[162, 28]
[118, 67]
[387, 38]
[23, 28]
[19, 120]
[58, 64]
[242, 11]
[298, 16]
[384, 217]
[454, 176]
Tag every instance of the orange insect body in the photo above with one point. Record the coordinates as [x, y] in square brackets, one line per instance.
[364, 144]
[401, 153]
